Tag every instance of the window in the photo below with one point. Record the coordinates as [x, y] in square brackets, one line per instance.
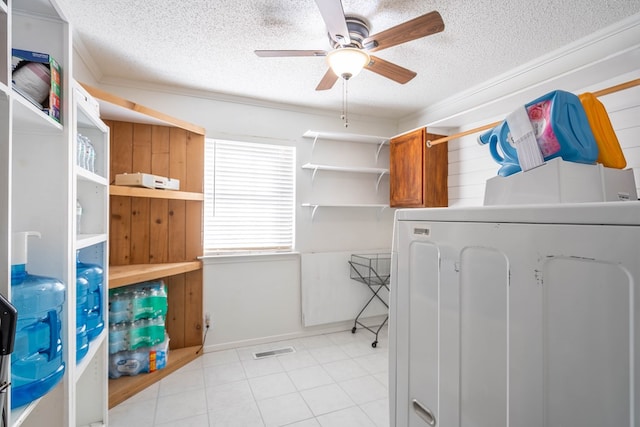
[249, 196]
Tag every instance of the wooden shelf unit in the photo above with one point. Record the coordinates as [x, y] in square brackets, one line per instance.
[156, 234]
[125, 387]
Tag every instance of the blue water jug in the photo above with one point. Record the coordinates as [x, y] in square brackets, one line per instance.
[82, 339]
[95, 304]
[561, 129]
[37, 363]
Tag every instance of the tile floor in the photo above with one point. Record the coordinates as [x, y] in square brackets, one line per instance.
[332, 380]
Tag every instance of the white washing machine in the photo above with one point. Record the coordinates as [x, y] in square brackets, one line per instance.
[522, 316]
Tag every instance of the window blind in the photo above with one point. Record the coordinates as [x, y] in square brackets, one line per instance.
[249, 196]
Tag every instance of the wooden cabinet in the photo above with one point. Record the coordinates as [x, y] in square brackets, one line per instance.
[417, 173]
[153, 233]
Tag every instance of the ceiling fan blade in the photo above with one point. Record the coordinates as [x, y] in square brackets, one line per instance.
[416, 28]
[333, 16]
[390, 70]
[282, 53]
[328, 80]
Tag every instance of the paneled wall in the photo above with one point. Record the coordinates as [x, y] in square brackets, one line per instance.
[470, 164]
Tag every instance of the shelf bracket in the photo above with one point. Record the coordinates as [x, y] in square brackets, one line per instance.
[313, 146]
[384, 141]
[313, 212]
[313, 175]
[379, 179]
[380, 212]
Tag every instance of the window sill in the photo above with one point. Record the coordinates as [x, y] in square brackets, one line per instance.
[248, 257]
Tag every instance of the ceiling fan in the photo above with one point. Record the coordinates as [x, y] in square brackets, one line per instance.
[352, 45]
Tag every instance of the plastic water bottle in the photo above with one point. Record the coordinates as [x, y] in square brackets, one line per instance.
[82, 339]
[118, 338]
[37, 364]
[94, 274]
[127, 363]
[89, 154]
[150, 300]
[140, 301]
[561, 129]
[119, 308]
[91, 162]
[80, 151]
[147, 359]
[78, 217]
[146, 333]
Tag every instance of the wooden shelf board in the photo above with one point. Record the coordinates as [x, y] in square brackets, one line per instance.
[123, 275]
[125, 387]
[113, 107]
[120, 190]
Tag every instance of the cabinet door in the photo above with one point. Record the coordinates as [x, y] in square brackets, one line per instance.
[417, 174]
[424, 323]
[547, 330]
[590, 329]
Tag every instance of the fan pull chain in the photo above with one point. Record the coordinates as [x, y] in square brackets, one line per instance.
[345, 105]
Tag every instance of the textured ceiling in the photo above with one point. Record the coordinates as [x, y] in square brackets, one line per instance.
[208, 45]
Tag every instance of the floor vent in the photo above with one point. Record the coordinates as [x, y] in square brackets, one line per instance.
[276, 352]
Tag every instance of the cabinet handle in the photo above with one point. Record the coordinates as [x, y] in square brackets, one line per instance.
[424, 413]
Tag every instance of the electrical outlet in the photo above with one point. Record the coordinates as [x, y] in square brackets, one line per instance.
[207, 320]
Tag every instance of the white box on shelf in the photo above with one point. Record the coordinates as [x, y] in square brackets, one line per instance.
[169, 184]
[140, 180]
[559, 181]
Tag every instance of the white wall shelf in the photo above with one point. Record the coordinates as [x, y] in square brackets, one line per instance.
[331, 168]
[317, 167]
[315, 206]
[86, 240]
[89, 176]
[19, 415]
[94, 347]
[91, 189]
[34, 145]
[347, 137]
[27, 116]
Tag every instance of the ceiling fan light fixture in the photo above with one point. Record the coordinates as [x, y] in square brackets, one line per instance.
[347, 62]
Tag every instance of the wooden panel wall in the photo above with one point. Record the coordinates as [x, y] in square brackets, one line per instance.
[145, 230]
